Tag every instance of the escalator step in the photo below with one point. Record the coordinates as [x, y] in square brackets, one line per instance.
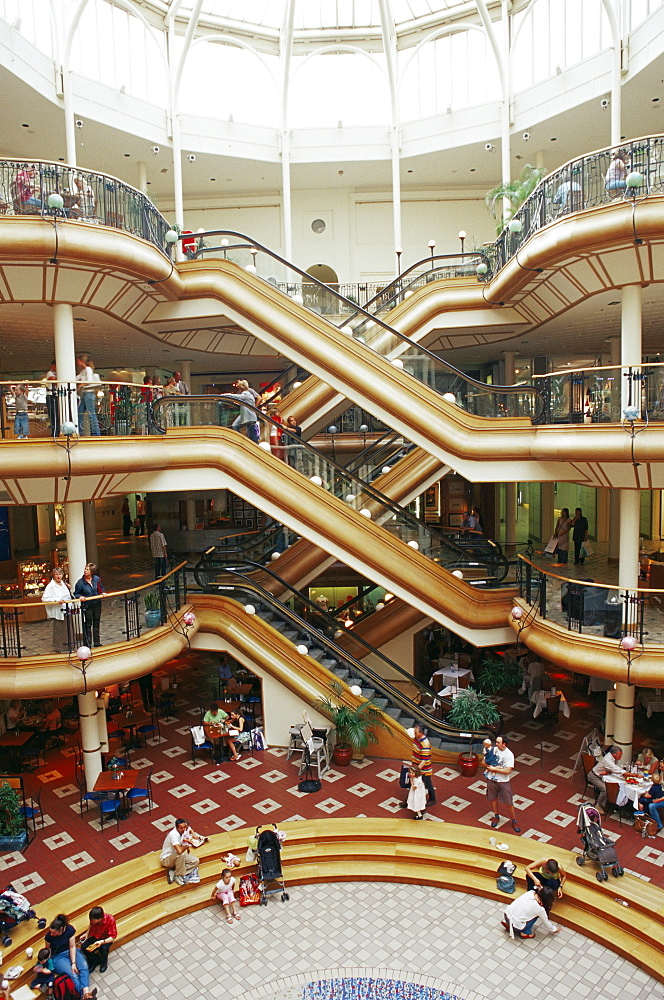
[406, 722]
[368, 693]
[380, 702]
[290, 634]
[394, 713]
[341, 672]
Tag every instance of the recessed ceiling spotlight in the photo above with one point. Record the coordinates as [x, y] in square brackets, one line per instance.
[554, 138]
[164, 170]
[213, 178]
[655, 100]
[24, 125]
[127, 154]
[614, 303]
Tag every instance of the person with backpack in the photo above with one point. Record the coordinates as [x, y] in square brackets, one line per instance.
[69, 962]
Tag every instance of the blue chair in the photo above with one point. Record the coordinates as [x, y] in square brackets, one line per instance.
[199, 742]
[33, 811]
[166, 703]
[142, 793]
[144, 731]
[109, 807]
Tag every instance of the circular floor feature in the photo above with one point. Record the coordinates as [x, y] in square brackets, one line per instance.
[447, 940]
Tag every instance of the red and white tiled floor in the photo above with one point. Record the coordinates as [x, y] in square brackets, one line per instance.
[263, 787]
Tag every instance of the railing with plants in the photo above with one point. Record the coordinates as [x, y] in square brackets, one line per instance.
[587, 606]
[586, 182]
[124, 615]
[57, 191]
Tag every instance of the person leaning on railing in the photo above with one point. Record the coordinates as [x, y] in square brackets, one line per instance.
[56, 596]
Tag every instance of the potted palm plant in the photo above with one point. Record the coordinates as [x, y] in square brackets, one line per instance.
[471, 712]
[498, 675]
[515, 192]
[13, 832]
[354, 725]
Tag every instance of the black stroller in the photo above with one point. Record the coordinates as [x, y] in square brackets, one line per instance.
[269, 865]
[14, 908]
[596, 845]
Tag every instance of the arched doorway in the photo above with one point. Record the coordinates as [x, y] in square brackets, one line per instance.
[315, 297]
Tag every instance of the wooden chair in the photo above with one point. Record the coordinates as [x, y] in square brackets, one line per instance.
[612, 789]
[588, 760]
[552, 711]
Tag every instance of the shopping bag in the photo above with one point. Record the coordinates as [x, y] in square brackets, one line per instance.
[250, 891]
[551, 546]
[404, 779]
[586, 549]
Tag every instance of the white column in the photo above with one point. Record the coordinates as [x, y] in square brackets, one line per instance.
[184, 367]
[286, 202]
[65, 359]
[190, 504]
[509, 361]
[90, 524]
[610, 719]
[87, 716]
[630, 340]
[142, 177]
[547, 503]
[396, 194]
[76, 553]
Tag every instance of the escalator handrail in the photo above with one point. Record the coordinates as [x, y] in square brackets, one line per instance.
[357, 310]
[434, 726]
[368, 489]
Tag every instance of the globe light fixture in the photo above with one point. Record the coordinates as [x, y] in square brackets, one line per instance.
[171, 236]
[250, 609]
[397, 362]
[189, 618]
[482, 269]
[84, 653]
[348, 330]
[56, 201]
[275, 556]
[356, 690]
[515, 225]
[414, 545]
[316, 480]
[634, 180]
[68, 428]
[302, 650]
[265, 445]
[517, 613]
[449, 397]
[631, 413]
[628, 643]
[457, 573]
[365, 513]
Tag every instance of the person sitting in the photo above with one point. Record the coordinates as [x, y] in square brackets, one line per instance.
[521, 916]
[646, 760]
[15, 714]
[44, 971]
[234, 726]
[546, 873]
[52, 719]
[98, 939]
[608, 764]
[67, 958]
[616, 176]
[213, 727]
[653, 801]
[176, 856]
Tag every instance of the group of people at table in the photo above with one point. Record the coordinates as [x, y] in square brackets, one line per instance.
[643, 777]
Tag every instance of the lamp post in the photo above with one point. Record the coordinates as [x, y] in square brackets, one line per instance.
[398, 252]
[462, 237]
[432, 247]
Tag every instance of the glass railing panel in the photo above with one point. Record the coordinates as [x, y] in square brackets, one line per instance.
[593, 395]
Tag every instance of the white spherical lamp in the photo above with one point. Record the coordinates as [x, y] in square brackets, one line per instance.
[350, 498]
[482, 269]
[68, 428]
[517, 613]
[250, 609]
[365, 513]
[189, 618]
[386, 469]
[397, 362]
[515, 225]
[84, 653]
[275, 556]
[316, 480]
[56, 201]
[356, 690]
[457, 573]
[628, 643]
[414, 545]
[411, 733]
[171, 236]
[302, 649]
[297, 298]
[348, 330]
[449, 397]
[265, 445]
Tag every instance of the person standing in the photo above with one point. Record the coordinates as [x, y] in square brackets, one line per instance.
[579, 535]
[159, 550]
[147, 691]
[50, 379]
[608, 764]
[175, 856]
[498, 783]
[561, 533]
[180, 384]
[56, 597]
[98, 939]
[126, 518]
[421, 759]
[140, 514]
[246, 421]
[417, 796]
[90, 590]
[21, 421]
[87, 401]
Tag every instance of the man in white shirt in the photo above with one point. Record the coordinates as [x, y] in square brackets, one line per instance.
[87, 401]
[608, 764]
[498, 788]
[176, 856]
[159, 549]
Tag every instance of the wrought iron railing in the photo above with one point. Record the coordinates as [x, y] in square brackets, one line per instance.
[595, 395]
[125, 615]
[57, 191]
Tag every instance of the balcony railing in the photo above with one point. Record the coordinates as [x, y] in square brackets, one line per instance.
[589, 607]
[125, 614]
[87, 196]
[594, 395]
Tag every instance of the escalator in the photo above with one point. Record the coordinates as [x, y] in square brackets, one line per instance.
[401, 698]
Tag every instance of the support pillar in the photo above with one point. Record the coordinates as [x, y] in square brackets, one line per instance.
[190, 504]
[90, 523]
[102, 730]
[630, 342]
[547, 520]
[65, 360]
[76, 553]
[87, 716]
[509, 363]
[142, 177]
[614, 525]
[184, 367]
[43, 524]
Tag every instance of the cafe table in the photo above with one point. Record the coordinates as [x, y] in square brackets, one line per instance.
[116, 782]
[137, 718]
[629, 792]
[13, 741]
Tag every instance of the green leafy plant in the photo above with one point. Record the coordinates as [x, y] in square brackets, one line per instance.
[151, 601]
[515, 192]
[11, 821]
[471, 712]
[354, 725]
[498, 675]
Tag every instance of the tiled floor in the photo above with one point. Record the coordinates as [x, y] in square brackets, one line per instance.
[417, 933]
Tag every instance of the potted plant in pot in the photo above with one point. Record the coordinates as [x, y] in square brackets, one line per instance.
[498, 675]
[472, 712]
[152, 608]
[354, 725]
[13, 832]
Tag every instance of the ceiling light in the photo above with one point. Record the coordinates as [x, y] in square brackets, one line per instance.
[24, 125]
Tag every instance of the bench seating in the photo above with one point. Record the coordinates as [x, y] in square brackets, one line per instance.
[385, 850]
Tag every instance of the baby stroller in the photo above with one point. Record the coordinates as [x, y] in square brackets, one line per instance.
[269, 865]
[596, 845]
[14, 908]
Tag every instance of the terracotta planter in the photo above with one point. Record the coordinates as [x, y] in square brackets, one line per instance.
[468, 763]
[342, 756]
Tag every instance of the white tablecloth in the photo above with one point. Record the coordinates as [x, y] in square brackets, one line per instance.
[538, 699]
[652, 702]
[629, 793]
[450, 676]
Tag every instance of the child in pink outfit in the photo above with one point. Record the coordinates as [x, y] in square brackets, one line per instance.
[223, 891]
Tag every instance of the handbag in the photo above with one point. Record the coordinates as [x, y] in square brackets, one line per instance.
[250, 890]
[551, 546]
[404, 780]
[586, 549]
[644, 825]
